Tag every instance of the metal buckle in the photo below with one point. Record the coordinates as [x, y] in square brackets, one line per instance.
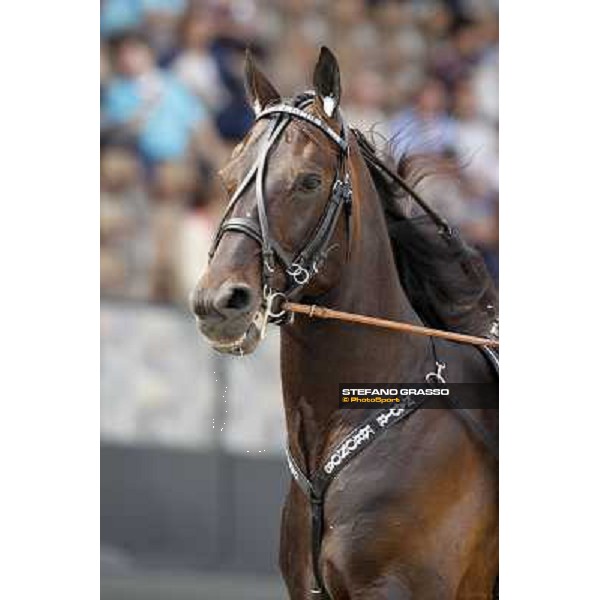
[495, 329]
[338, 193]
[347, 192]
[437, 376]
[298, 273]
[269, 309]
[343, 189]
[269, 295]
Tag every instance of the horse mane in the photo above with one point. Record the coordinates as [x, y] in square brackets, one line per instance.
[445, 279]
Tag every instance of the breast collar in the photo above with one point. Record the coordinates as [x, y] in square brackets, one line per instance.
[301, 266]
[360, 438]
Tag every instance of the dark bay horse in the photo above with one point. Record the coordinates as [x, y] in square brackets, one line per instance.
[414, 515]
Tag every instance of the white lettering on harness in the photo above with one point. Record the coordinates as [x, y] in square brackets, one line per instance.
[348, 447]
[383, 418]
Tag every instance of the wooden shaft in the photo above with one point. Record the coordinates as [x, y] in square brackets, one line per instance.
[327, 313]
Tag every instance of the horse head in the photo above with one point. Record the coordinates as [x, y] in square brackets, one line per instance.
[281, 236]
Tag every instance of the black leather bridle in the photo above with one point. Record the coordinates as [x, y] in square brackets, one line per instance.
[304, 264]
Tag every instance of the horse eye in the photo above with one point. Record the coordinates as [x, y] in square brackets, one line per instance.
[309, 182]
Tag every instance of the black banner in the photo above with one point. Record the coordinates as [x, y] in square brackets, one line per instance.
[439, 395]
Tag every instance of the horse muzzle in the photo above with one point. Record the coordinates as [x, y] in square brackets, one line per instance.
[229, 316]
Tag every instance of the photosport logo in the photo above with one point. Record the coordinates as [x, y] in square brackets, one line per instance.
[438, 395]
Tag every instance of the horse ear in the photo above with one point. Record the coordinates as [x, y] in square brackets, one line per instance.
[259, 89]
[326, 80]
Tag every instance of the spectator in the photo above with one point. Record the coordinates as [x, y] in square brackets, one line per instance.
[485, 85]
[161, 25]
[456, 57]
[424, 127]
[362, 106]
[118, 16]
[235, 117]
[476, 141]
[151, 108]
[424, 74]
[195, 66]
[126, 248]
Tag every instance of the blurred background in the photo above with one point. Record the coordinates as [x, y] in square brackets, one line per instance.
[193, 474]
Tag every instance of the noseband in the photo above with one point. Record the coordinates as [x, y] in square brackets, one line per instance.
[303, 265]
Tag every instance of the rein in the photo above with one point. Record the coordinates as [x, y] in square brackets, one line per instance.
[321, 312]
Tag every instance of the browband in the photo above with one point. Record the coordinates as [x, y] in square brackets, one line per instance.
[300, 114]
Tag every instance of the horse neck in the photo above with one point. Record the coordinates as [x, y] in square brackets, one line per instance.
[317, 355]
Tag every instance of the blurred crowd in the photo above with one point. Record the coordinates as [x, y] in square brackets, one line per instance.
[422, 74]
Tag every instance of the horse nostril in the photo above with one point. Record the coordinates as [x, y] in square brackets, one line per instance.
[239, 298]
[233, 298]
[226, 301]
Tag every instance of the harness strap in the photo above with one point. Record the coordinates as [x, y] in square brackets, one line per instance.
[373, 160]
[250, 228]
[315, 489]
[243, 225]
[356, 441]
[263, 221]
[492, 358]
[274, 129]
[490, 442]
[301, 479]
[309, 259]
[482, 432]
[317, 525]
[316, 249]
[300, 114]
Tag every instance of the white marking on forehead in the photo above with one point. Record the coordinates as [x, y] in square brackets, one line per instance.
[329, 105]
